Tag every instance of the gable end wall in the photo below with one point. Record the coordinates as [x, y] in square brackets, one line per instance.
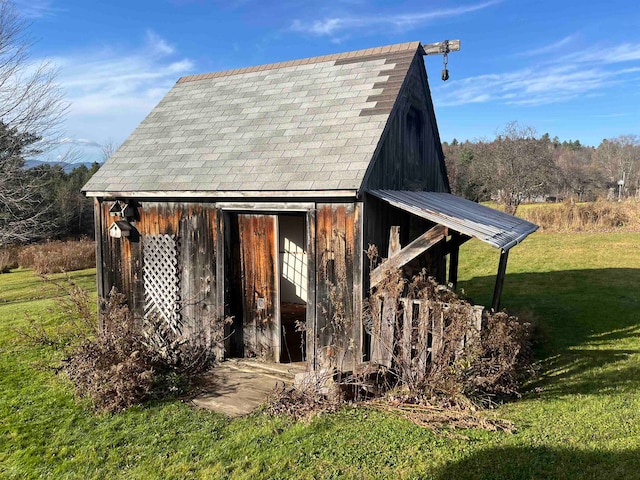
[391, 168]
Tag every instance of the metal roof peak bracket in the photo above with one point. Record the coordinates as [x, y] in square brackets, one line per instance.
[442, 48]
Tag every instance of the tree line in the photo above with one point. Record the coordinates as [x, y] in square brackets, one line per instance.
[519, 165]
[43, 202]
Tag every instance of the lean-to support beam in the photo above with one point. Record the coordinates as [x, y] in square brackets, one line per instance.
[420, 245]
[502, 269]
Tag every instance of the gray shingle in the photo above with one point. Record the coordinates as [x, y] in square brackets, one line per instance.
[287, 126]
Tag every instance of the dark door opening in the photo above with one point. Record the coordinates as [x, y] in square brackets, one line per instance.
[266, 286]
[294, 283]
[234, 344]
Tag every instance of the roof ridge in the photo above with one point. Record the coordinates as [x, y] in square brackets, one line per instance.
[396, 48]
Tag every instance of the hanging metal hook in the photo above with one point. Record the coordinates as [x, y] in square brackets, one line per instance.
[445, 60]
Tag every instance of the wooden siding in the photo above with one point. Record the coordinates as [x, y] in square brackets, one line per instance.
[338, 288]
[258, 260]
[410, 156]
[195, 227]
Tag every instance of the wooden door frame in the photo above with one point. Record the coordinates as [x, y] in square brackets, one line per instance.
[308, 212]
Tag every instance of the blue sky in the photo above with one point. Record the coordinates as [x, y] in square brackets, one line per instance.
[567, 67]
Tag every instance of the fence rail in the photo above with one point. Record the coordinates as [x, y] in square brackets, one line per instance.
[411, 331]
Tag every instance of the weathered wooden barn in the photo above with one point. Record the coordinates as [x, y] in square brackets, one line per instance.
[253, 195]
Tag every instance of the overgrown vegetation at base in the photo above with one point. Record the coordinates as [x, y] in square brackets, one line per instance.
[577, 420]
[468, 360]
[122, 362]
[431, 351]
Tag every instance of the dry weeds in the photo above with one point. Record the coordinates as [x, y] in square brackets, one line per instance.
[58, 256]
[600, 216]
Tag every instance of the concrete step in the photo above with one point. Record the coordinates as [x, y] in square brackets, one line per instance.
[239, 386]
[280, 371]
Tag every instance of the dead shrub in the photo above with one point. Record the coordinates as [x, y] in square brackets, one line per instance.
[306, 400]
[464, 367]
[8, 259]
[112, 367]
[127, 362]
[58, 256]
[484, 372]
[470, 369]
[123, 361]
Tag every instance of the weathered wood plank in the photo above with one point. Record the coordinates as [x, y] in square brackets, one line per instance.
[358, 291]
[394, 241]
[382, 338]
[405, 343]
[311, 289]
[424, 349]
[335, 254]
[408, 253]
[258, 244]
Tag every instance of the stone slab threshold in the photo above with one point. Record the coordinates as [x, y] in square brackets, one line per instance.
[238, 387]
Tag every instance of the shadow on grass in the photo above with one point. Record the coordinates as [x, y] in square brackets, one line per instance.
[543, 462]
[590, 325]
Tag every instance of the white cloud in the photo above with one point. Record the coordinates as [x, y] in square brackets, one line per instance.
[35, 8]
[158, 45]
[111, 91]
[582, 73]
[625, 52]
[550, 48]
[336, 25]
[83, 142]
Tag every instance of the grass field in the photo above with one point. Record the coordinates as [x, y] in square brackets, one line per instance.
[580, 419]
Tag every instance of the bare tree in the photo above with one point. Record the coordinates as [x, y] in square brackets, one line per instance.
[517, 165]
[31, 109]
[620, 158]
[108, 148]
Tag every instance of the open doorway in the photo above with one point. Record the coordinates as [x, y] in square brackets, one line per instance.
[266, 285]
[294, 281]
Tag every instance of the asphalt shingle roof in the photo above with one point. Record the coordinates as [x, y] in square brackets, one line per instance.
[304, 125]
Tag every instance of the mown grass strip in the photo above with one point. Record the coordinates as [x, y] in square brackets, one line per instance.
[578, 420]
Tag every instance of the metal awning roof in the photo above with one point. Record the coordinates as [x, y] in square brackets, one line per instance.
[469, 218]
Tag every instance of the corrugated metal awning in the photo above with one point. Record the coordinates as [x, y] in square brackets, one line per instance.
[469, 218]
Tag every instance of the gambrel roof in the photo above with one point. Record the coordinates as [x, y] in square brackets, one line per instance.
[302, 126]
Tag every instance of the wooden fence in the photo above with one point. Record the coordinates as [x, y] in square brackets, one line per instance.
[411, 331]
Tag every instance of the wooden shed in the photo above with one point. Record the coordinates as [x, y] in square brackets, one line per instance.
[253, 195]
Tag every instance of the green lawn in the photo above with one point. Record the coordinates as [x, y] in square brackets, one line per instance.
[580, 419]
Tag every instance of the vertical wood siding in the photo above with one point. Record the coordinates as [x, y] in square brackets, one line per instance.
[195, 226]
[338, 253]
[258, 257]
[405, 162]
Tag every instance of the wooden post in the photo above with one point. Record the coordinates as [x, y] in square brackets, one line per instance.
[221, 283]
[394, 241]
[454, 255]
[502, 269]
[100, 264]
[312, 278]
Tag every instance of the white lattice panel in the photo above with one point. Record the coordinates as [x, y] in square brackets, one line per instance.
[161, 279]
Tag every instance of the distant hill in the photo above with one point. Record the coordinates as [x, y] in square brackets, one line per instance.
[67, 167]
